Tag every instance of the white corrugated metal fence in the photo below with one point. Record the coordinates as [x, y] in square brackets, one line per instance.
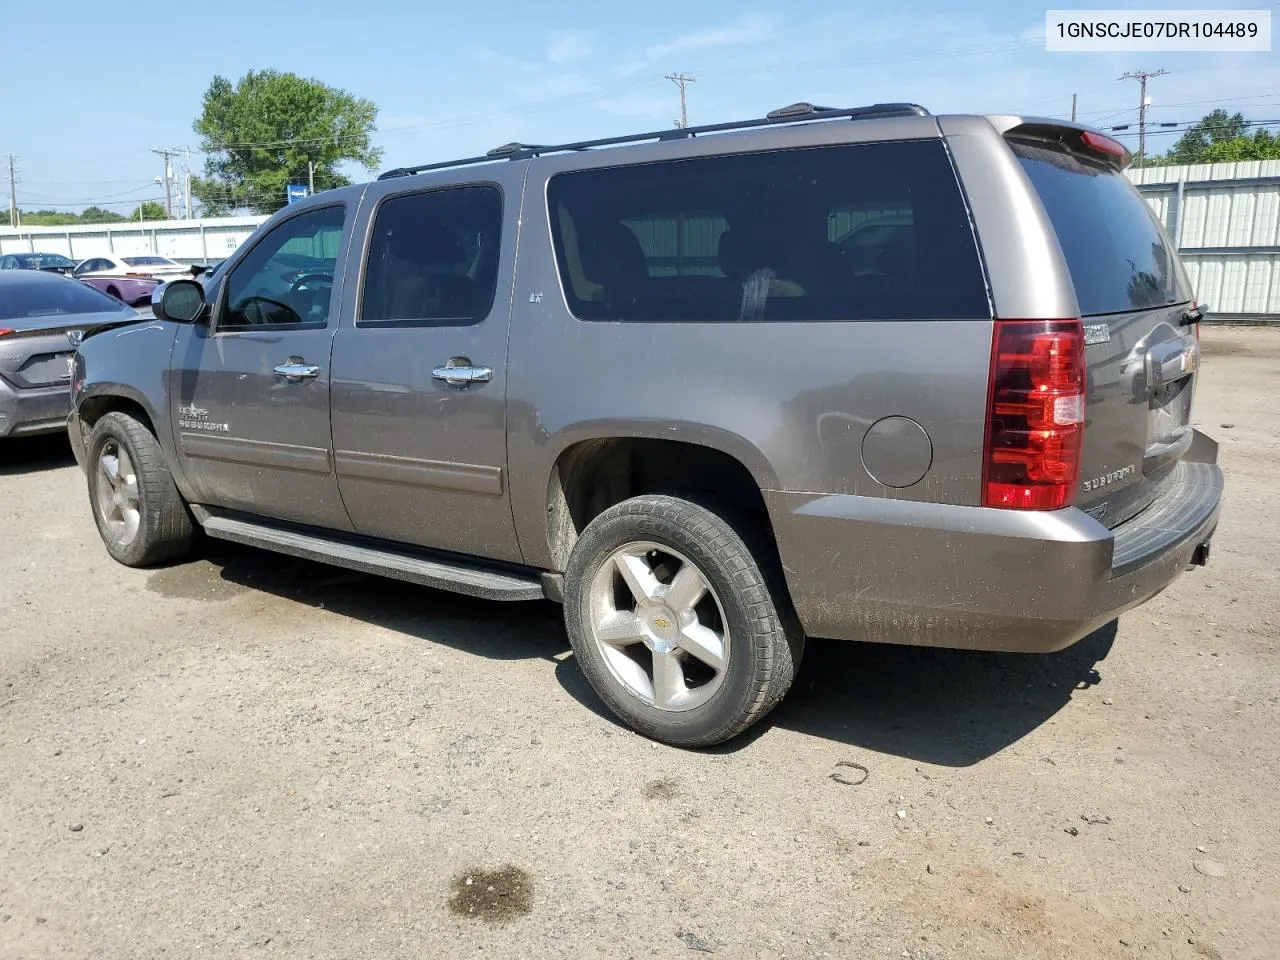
[1225, 219]
[187, 241]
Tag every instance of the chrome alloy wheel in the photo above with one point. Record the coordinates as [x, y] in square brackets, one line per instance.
[118, 500]
[659, 626]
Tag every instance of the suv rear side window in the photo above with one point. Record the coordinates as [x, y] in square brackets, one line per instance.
[860, 232]
[1117, 253]
[433, 258]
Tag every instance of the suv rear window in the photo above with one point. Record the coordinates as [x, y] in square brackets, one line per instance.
[859, 232]
[1117, 253]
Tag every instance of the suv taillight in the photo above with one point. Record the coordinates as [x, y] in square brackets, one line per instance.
[1035, 415]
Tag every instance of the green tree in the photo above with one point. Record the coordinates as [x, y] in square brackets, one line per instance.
[47, 218]
[1213, 128]
[1261, 146]
[261, 133]
[148, 210]
[98, 215]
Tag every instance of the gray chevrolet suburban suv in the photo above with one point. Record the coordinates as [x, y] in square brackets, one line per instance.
[869, 374]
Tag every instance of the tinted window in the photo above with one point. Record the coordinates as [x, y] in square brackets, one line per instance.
[149, 262]
[37, 299]
[433, 258]
[1117, 253]
[871, 231]
[287, 278]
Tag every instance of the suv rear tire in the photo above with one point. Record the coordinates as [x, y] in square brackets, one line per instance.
[676, 625]
[140, 514]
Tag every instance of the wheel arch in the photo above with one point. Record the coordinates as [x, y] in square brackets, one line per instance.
[99, 399]
[93, 408]
[591, 475]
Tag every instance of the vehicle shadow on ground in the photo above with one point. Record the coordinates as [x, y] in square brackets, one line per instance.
[499, 631]
[33, 454]
[945, 707]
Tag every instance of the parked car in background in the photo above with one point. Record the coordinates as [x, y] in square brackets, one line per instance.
[131, 279]
[42, 317]
[51, 262]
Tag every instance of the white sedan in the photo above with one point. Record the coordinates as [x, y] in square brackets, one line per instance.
[130, 279]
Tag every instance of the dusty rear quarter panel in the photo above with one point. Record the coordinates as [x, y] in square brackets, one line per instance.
[792, 402]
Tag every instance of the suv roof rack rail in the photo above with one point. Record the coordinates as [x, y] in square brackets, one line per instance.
[801, 112]
[514, 147]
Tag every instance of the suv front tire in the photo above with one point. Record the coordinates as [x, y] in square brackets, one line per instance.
[140, 514]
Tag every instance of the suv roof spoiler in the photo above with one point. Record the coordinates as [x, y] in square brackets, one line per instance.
[801, 112]
[1074, 136]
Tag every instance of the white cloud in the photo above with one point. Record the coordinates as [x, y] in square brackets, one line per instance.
[750, 29]
[568, 45]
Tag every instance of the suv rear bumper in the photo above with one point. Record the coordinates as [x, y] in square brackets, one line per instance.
[928, 574]
[32, 410]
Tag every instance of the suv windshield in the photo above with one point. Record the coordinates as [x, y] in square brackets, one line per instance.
[1117, 252]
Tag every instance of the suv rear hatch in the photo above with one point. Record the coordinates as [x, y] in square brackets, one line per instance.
[1140, 323]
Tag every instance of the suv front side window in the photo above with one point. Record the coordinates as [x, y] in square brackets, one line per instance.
[287, 278]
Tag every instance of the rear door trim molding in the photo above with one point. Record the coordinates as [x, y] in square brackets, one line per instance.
[436, 474]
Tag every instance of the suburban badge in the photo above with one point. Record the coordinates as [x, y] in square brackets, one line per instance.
[1115, 476]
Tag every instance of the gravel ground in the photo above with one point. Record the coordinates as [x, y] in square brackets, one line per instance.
[249, 755]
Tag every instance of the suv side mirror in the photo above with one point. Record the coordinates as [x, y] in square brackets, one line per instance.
[181, 302]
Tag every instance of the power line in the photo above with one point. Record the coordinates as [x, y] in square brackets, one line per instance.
[1176, 128]
[90, 200]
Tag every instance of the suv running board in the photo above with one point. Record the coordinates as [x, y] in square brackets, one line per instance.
[472, 580]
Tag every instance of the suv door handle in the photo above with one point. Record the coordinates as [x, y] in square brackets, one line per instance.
[295, 370]
[460, 372]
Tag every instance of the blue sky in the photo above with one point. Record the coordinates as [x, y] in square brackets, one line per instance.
[90, 88]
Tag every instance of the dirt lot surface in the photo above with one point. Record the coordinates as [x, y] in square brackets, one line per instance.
[253, 756]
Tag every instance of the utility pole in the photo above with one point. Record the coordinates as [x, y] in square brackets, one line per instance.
[311, 179]
[14, 216]
[1073, 108]
[167, 152]
[680, 80]
[1142, 76]
[186, 178]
